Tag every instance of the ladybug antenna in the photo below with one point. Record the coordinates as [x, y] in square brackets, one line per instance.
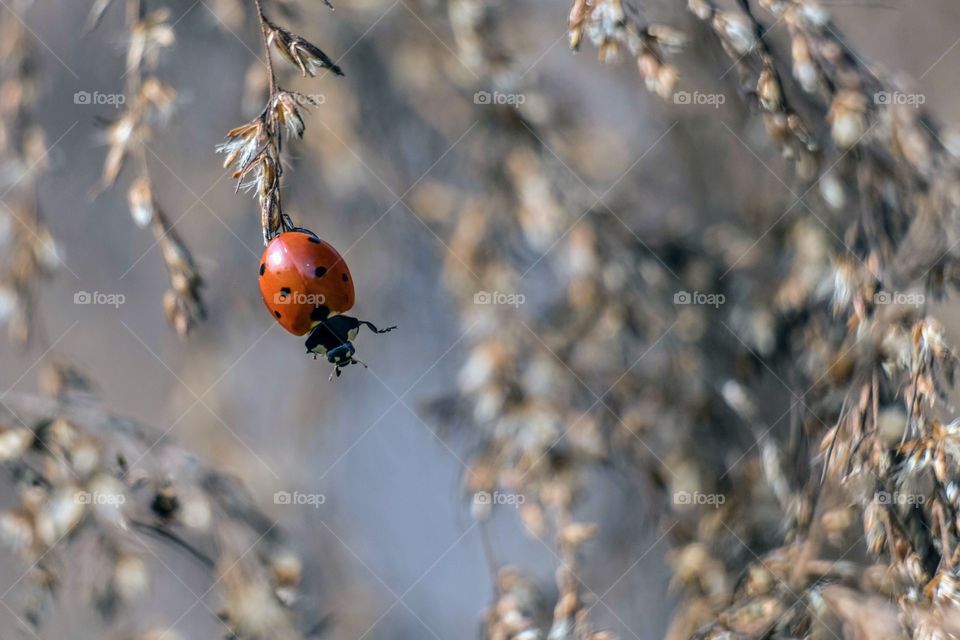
[373, 327]
[293, 227]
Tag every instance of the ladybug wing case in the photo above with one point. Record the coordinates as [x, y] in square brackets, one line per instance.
[303, 280]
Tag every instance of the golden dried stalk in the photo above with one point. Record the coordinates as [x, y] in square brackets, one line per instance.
[151, 101]
[254, 149]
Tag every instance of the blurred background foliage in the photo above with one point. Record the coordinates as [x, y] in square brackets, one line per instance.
[597, 399]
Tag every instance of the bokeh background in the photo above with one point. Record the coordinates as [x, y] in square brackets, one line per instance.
[394, 547]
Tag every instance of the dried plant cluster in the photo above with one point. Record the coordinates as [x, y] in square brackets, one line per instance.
[812, 410]
[29, 254]
[839, 516]
[616, 28]
[100, 498]
[253, 149]
[537, 429]
[150, 103]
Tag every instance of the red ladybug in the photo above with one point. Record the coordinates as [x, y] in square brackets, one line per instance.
[303, 280]
[306, 285]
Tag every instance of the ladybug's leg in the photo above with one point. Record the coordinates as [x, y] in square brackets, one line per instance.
[373, 327]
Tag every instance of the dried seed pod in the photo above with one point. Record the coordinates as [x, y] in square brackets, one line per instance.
[147, 37]
[615, 31]
[666, 81]
[578, 15]
[141, 202]
[703, 9]
[160, 96]
[244, 144]
[667, 36]
[195, 511]
[847, 117]
[130, 577]
[736, 31]
[120, 136]
[804, 69]
[287, 113]
[16, 531]
[60, 514]
[13, 442]
[768, 91]
[299, 51]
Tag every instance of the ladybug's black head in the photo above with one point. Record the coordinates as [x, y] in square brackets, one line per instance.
[341, 355]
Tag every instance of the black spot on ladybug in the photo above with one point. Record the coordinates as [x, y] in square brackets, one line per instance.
[319, 313]
[284, 292]
[320, 272]
[314, 240]
[277, 313]
[263, 267]
[345, 278]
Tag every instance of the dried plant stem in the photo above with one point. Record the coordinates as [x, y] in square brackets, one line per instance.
[274, 139]
[29, 252]
[253, 149]
[149, 99]
[262, 21]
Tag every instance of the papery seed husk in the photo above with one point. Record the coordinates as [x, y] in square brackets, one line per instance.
[141, 202]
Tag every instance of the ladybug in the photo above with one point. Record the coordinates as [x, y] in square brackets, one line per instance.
[303, 280]
[306, 285]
